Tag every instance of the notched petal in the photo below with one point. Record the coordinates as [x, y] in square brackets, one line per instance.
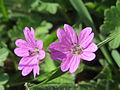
[91, 48]
[20, 43]
[26, 70]
[22, 52]
[29, 35]
[84, 34]
[41, 55]
[39, 44]
[88, 56]
[70, 33]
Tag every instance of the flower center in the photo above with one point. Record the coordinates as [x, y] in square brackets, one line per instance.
[34, 52]
[76, 49]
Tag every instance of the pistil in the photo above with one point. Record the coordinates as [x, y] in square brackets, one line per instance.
[76, 49]
[34, 52]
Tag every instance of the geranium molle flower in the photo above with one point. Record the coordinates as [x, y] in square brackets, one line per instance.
[30, 51]
[72, 48]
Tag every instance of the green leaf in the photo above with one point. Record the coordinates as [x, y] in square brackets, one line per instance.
[45, 7]
[48, 64]
[65, 78]
[77, 28]
[3, 10]
[49, 39]
[42, 30]
[2, 33]
[3, 55]
[112, 24]
[3, 78]
[17, 30]
[2, 87]
[115, 43]
[83, 12]
[116, 57]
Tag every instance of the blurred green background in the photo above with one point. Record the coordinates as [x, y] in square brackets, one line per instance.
[45, 16]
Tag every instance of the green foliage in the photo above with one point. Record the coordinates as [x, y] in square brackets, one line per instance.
[2, 28]
[45, 7]
[3, 80]
[43, 29]
[116, 56]
[17, 30]
[110, 38]
[48, 64]
[3, 55]
[60, 87]
[100, 84]
[2, 87]
[116, 42]
[112, 24]
[66, 78]
[54, 77]
[83, 12]
[3, 10]
[52, 37]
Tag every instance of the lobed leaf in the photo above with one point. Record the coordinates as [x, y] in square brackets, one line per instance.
[112, 24]
[3, 55]
[3, 78]
[45, 7]
[116, 57]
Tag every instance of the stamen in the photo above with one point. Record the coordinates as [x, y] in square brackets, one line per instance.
[34, 52]
[75, 49]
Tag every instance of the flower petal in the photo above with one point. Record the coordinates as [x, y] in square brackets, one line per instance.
[75, 63]
[26, 70]
[39, 44]
[42, 55]
[36, 70]
[29, 35]
[70, 33]
[33, 33]
[25, 62]
[86, 42]
[58, 46]
[65, 65]
[92, 47]
[57, 55]
[20, 43]
[28, 65]
[22, 52]
[88, 56]
[61, 34]
[84, 34]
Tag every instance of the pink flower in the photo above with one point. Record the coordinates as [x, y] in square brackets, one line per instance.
[30, 51]
[72, 48]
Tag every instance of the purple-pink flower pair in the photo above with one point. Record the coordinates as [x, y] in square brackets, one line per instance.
[70, 50]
